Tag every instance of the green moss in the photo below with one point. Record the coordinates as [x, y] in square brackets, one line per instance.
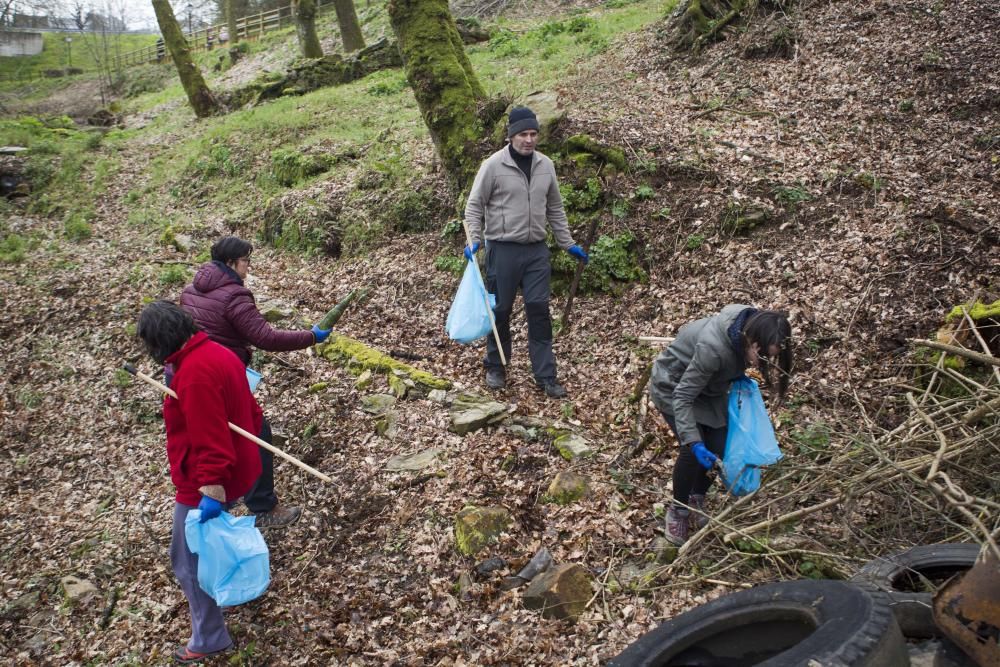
[613, 263]
[978, 311]
[567, 487]
[476, 527]
[358, 357]
[582, 143]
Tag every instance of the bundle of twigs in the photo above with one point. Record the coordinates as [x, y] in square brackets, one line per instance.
[932, 477]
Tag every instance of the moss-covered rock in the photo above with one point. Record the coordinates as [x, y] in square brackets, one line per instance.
[470, 412]
[476, 527]
[313, 73]
[377, 404]
[358, 357]
[583, 143]
[560, 593]
[568, 487]
[572, 447]
[742, 217]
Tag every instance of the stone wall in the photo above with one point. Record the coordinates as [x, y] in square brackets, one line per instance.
[20, 43]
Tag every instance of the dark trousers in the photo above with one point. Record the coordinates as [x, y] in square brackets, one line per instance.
[261, 497]
[510, 266]
[689, 477]
[208, 628]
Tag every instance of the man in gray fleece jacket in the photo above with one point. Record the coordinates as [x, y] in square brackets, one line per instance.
[514, 198]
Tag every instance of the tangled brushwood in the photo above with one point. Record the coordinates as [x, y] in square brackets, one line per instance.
[933, 476]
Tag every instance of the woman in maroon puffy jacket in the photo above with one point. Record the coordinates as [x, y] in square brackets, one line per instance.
[227, 312]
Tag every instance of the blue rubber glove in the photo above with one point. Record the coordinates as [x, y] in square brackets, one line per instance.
[579, 253]
[706, 458]
[320, 334]
[470, 252]
[210, 508]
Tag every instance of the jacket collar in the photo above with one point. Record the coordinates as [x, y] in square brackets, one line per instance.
[508, 159]
[228, 271]
[193, 342]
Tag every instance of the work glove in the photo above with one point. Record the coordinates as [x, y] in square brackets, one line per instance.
[579, 253]
[706, 458]
[320, 334]
[210, 508]
[470, 252]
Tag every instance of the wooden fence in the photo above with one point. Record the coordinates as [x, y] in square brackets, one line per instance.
[206, 39]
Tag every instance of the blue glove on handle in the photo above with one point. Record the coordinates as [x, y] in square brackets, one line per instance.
[210, 508]
[706, 458]
[320, 334]
[470, 252]
[579, 253]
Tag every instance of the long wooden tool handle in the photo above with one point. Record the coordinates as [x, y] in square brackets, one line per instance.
[576, 277]
[233, 427]
[489, 308]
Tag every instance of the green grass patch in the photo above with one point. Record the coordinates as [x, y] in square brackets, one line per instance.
[557, 46]
[450, 264]
[65, 167]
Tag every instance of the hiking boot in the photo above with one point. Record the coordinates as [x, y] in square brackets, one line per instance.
[697, 518]
[280, 517]
[552, 389]
[677, 525]
[185, 656]
[496, 378]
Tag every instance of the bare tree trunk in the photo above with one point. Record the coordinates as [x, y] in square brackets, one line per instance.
[447, 90]
[305, 26]
[198, 94]
[234, 35]
[350, 29]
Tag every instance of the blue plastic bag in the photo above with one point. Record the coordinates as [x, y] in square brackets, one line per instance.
[469, 319]
[750, 441]
[233, 562]
[253, 379]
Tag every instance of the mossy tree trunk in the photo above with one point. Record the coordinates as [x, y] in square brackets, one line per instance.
[446, 87]
[350, 29]
[305, 26]
[697, 22]
[234, 34]
[198, 94]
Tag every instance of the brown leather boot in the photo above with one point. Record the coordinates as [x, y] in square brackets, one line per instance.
[677, 525]
[280, 517]
[697, 519]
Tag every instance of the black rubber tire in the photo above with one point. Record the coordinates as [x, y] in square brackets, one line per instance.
[896, 576]
[828, 623]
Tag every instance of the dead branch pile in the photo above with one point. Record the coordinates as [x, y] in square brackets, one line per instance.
[933, 477]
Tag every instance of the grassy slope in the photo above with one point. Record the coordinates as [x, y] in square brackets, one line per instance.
[513, 63]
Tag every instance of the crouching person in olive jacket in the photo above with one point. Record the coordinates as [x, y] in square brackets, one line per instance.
[210, 465]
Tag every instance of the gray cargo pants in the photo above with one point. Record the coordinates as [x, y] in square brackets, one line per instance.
[525, 265]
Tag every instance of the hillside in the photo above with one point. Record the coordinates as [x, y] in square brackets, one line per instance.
[862, 141]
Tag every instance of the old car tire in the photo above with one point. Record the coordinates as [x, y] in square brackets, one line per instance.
[901, 579]
[829, 623]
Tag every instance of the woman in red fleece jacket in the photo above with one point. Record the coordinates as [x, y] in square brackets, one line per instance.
[210, 465]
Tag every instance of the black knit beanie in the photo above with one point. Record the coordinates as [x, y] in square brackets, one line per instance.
[521, 119]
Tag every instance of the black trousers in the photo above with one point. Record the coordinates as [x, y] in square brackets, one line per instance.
[524, 266]
[689, 477]
[261, 497]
